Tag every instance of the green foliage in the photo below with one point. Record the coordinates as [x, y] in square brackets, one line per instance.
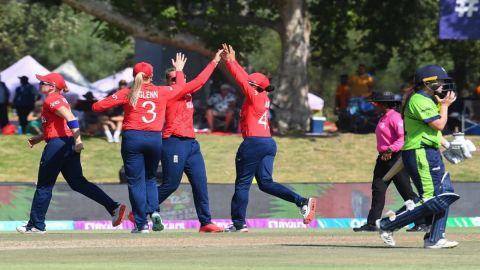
[53, 34]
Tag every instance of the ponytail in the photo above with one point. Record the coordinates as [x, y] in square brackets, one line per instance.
[406, 100]
[137, 85]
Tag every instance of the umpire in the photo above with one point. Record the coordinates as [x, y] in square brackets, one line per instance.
[390, 138]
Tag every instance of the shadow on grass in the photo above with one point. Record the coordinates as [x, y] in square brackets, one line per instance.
[345, 246]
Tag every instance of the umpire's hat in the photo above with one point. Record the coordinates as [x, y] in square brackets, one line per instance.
[386, 97]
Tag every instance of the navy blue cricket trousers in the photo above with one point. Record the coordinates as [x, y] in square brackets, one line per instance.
[426, 168]
[141, 153]
[181, 155]
[59, 156]
[255, 157]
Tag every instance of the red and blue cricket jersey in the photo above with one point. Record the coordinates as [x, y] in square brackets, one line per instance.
[54, 126]
[149, 113]
[255, 108]
[179, 114]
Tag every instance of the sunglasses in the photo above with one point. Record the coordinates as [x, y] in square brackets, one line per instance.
[46, 83]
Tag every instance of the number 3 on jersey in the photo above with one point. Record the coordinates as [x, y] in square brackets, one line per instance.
[150, 111]
[264, 120]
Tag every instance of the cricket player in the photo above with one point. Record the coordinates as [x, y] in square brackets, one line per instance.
[256, 154]
[144, 105]
[181, 151]
[425, 115]
[61, 131]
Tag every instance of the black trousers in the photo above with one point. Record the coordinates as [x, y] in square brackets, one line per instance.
[379, 187]
[22, 113]
[3, 114]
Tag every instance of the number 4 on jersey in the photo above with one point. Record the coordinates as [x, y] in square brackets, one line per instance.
[264, 120]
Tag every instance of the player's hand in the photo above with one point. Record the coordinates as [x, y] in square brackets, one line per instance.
[385, 156]
[228, 52]
[448, 99]
[34, 140]
[78, 146]
[179, 62]
[217, 57]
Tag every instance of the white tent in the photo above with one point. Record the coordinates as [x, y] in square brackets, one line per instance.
[315, 102]
[28, 66]
[71, 73]
[111, 82]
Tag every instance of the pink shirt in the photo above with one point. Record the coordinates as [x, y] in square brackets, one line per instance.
[390, 132]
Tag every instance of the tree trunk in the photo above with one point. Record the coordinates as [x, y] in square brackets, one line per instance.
[292, 94]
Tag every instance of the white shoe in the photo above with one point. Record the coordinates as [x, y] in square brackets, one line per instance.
[386, 236]
[118, 215]
[116, 139]
[232, 228]
[143, 230]
[157, 222]
[442, 243]
[24, 229]
[308, 210]
[110, 140]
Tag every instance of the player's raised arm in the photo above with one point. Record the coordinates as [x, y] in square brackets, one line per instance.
[114, 100]
[238, 73]
[176, 90]
[197, 83]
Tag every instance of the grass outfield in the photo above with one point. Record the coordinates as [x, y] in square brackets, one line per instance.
[344, 158]
[258, 249]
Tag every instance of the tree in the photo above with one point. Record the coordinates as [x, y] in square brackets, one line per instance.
[53, 34]
[200, 26]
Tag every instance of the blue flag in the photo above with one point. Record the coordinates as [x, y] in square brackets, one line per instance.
[460, 19]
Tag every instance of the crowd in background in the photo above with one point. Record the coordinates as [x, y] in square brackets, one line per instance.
[356, 114]
[220, 112]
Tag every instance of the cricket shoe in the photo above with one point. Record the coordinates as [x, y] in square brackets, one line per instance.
[211, 228]
[366, 228]
[233, 228]
[308, 210]
[118, 215]
[442, 243]
[157, 222]
[144, 229]
[26, 230]
[386, 236]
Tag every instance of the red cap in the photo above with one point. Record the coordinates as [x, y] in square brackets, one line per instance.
[53, 78]
[259, 79]
[144, 67]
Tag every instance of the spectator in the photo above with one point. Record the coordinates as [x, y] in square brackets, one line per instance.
[361, 83]
[221, 105]
[24, 100]
[34, 118]
[112, 119]
[342, 96]
[4, 97]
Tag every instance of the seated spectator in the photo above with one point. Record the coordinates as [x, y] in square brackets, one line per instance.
[222, 106]
[34, 119]
[89, 121]
[112, 119]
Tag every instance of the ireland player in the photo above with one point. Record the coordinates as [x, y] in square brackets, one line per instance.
[425, 115]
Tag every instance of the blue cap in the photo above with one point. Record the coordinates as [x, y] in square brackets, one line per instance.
[430, 73]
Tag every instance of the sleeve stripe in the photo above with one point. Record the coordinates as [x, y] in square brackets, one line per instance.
[431, 119]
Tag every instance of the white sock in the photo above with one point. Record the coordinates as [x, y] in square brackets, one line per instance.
[109, 136]
[116, 135]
